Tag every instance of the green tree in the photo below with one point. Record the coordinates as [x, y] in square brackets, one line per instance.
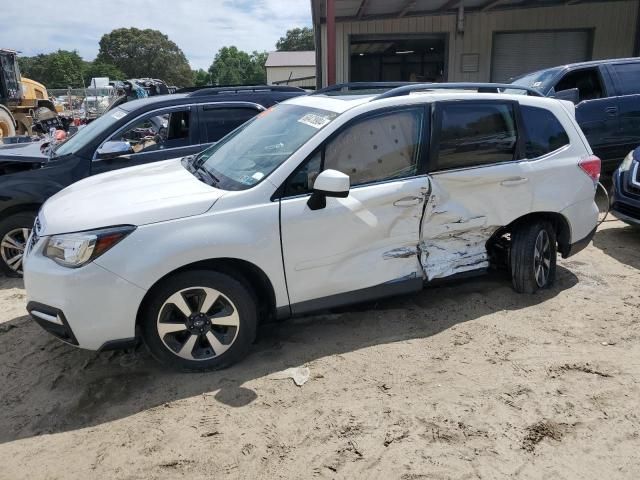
[99, 69]
[235, 67]
[201, 78]
[145, 53]
[60, 69]
[296, 39]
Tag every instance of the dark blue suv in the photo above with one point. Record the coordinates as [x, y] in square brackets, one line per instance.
[625, 196]
[134, 133]
[607, 98]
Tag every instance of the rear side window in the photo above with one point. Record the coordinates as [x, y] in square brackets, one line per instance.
[628, 76]
[475, 133]
[544, 132]
[217, 122]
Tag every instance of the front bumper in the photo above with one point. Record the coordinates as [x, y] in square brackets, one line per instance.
[625, 199]
[90, 306]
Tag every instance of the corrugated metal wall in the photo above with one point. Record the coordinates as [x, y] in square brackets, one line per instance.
[614, 25]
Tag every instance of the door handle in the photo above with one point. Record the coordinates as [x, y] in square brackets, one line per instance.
[408, 201]
[512, 182]
[611, 110]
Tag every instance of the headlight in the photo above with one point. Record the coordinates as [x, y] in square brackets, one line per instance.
[76, 249]
[626, 163]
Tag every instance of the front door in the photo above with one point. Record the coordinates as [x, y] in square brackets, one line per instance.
[161, 135]
[365, 245]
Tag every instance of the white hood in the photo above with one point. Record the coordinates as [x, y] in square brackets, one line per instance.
[139, 195]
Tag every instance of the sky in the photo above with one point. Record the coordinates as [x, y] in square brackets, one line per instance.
[199, 27]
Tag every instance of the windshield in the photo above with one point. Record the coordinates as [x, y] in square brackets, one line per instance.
[88, 133]
[537, 80]
[254, 150]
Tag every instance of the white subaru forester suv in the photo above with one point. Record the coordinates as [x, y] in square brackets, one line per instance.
[321, 201]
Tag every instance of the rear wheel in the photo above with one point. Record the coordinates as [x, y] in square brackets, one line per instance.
[199, 320]
[14, 233]
[7, 128]
[533, 257]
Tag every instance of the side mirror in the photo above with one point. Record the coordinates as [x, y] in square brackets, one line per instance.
[113, 149]
[330, 183]
[571, 95]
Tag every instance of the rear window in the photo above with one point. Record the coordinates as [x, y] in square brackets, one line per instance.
[544, 132]
[476, 133]
[628, 76]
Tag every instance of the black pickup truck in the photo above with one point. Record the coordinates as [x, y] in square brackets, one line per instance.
[607, 98]
[137, 132]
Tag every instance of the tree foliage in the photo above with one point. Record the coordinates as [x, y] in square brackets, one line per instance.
[99, 69]
[201, 78]
[145, 53]
[296, 39]
[60, 69]
[235, 67]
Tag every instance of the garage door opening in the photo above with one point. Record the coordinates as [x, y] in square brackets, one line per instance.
[385, 59]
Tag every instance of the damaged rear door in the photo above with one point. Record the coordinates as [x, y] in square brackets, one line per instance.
[478, 183]
[365, 245]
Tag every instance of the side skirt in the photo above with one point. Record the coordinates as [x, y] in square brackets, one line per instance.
[389, 289]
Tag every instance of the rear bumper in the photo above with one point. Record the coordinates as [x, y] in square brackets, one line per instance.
[580, 244]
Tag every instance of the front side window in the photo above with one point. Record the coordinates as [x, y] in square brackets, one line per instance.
[254, 150]
[158, 132]
[376, 149]
[587, 81]
[628, 75]
[545, 133]
[475, 133]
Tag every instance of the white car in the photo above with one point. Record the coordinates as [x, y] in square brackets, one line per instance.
[324, 200]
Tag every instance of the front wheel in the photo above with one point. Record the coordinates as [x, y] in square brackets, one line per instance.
[199, 320]
[533, 257]
[14, 233]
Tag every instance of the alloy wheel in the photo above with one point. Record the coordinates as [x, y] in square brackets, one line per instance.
[198, 323]
[12, 248]
[542, 258]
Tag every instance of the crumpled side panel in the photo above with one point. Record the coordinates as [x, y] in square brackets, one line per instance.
[453, 238]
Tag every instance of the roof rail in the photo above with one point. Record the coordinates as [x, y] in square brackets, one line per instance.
[205, 91]
[354, 86]
[479, 87]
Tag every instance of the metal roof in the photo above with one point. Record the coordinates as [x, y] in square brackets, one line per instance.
[372, 9]
[291, 59]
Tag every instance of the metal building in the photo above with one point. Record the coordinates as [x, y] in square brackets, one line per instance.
[291, 68]
[466, 40]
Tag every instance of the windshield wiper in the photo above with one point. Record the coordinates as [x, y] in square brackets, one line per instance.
[203, 172]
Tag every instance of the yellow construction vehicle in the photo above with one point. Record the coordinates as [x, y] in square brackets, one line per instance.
[24, 103]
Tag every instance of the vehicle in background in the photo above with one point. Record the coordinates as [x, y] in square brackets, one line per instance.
[25, 107]
[607, 98]
[321, 202]
[625, 194]
[138, 132]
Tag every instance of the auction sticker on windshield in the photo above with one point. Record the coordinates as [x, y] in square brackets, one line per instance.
[314, 120]
[118, 114]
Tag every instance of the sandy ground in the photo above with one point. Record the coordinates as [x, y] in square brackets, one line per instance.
[467, 380]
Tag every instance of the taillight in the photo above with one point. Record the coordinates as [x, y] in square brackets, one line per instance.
[591, 166]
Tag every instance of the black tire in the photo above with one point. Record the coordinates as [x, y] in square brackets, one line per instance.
[18, 221]
[237, 301]
[525, 264]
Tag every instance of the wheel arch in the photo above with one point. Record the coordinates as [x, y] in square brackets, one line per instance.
[246, 272]
[22, 208]
[559, 222]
